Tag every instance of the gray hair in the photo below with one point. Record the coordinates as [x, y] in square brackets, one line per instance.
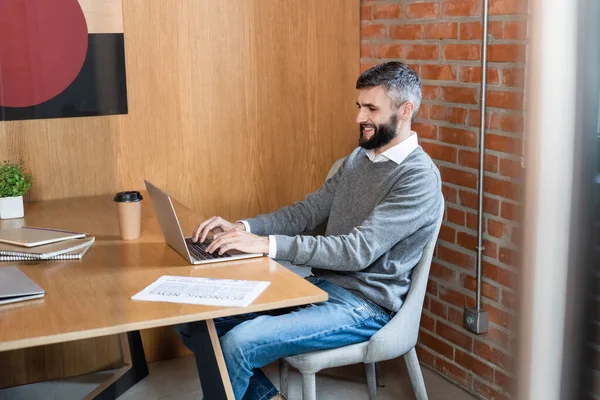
[400, 82]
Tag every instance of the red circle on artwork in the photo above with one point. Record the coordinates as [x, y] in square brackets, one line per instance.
[43, 45]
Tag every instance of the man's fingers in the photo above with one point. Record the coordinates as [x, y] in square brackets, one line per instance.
[209, 227]
[200, 227]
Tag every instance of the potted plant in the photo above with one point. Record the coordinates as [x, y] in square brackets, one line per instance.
[14, 183]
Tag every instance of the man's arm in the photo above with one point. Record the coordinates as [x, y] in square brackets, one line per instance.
[409, 206]
[301, 216]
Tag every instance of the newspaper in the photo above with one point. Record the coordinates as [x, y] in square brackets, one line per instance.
[206, 291]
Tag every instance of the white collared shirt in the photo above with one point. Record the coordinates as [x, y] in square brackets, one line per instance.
[397, 154]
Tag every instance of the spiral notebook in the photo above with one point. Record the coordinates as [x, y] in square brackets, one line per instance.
[67, 250]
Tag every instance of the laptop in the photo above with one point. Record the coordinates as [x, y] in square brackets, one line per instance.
[195, 253]
[16, 286]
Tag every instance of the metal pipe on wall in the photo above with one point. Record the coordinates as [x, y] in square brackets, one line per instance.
[476, 319]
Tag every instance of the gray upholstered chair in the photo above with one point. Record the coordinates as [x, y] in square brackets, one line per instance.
[397, 338]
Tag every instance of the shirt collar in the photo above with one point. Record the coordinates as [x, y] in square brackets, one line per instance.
[398, 152]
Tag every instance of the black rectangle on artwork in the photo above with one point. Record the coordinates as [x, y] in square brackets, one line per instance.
[99, 89]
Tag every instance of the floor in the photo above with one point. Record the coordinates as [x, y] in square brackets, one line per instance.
[178, 379]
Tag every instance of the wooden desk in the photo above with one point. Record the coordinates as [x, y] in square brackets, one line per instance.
[91, 297]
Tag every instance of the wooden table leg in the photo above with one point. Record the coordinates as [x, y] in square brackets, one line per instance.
[135, 369]
[209, 361]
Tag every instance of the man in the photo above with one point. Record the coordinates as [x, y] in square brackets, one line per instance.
[381, 209]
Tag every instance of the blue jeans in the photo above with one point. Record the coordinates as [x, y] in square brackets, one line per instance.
[251, 341]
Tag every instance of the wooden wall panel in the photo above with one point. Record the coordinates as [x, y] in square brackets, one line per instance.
[235, 108]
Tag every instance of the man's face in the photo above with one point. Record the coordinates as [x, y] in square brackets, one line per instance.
[376, 117]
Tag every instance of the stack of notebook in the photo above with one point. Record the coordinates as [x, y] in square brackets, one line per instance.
[31, 244]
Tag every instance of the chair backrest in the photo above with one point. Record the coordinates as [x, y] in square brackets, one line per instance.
[400, 335]
[336, 165]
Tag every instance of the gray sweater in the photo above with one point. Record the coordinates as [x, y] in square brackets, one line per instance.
[379, 218]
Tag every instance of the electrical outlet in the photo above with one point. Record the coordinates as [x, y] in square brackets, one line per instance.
[476, 320]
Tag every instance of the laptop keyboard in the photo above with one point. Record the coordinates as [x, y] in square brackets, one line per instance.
[198, 251]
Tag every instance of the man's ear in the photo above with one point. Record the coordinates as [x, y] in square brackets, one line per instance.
[406, 111]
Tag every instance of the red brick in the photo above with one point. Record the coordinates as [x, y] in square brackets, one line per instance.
[517, 236]
[426, 131]
[389, 51]
[466, 240]
[455, 297]
[515, 30]
[459, 338]
[497, 336]
[453, 115]
[432, 287]
[487, 290]
[427, 323]
[508, 100]
[492, 119]
[496, 228]
[366, 50]
[454, 372]
[444, 273]
[472, 221]
[513, 77]
[429, 92]
[474, 365]
[490, 249]
[510, 168]
[460, 8]
[447, 233]
[512, 123]
[509, 257]
[502, 188]
[471, 159]
[387, 11]
[472, 74]
[439, 72]
[510, 299]
[503, 7]
[422, 11]
[450, 194]
[366, 12]
[456, 257]
[423, 111]
[474, 30]
[459, 177]
[504, 144]
[503, 276]
[467, 51]
[493, 355]
[456, 316]
[422, 52]
[487, 391]
[471, 200]
[506, 52]
[505, 381]
[440, 152]
[436, 345]
[425, 356]
[416, 68]
[510, 211]
[459, 95]
[373, 31]
[457, 136]
[437, 308]
[499, 317]
[405, 32]
[443, 30]
[455, 216]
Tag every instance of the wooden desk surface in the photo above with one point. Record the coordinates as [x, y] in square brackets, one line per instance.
[91, 297]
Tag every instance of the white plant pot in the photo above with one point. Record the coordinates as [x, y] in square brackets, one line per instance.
[11, 207]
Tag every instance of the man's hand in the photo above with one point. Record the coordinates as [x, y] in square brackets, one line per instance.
[215, 223]
[238, 239]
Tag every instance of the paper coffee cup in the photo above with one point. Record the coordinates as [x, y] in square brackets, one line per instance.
[129, 211]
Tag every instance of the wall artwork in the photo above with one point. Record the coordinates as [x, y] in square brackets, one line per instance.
[61, 58]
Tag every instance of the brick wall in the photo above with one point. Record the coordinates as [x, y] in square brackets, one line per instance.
[441, 41]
